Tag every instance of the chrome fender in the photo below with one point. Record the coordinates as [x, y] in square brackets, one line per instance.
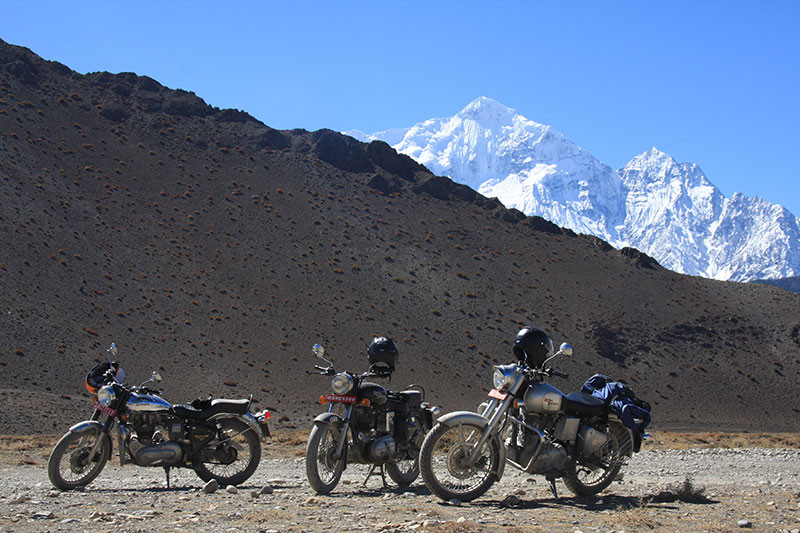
[468, 417]
[327, 418]
[92, 426]
[249, 420]
[86, 425]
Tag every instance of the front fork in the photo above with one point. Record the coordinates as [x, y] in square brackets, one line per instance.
[494, 421]
[343, 434]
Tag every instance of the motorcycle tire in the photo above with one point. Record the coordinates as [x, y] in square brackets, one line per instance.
[586, 480]
[232, 459]
[403, 472]
[323, 472]
[439, 464]
[70, 467]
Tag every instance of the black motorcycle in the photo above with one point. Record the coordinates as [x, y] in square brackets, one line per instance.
[381, 428]
[219, 439]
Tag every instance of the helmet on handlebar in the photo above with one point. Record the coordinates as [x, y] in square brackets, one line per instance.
[99, 376]
[382, 354]
[532, 346]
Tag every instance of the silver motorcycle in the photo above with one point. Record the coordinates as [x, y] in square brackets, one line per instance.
[533, 426]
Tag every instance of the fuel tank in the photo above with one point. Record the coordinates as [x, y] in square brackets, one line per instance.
[375, 393]
[543, 398]
[148, 403]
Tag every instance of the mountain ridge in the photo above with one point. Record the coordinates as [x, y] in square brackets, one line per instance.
[667, 209]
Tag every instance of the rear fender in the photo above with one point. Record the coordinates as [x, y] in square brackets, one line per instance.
[468, 417]
[249, 420]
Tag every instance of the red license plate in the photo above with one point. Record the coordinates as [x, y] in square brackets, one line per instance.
[102, 408]
[340, 399]
[496, 394]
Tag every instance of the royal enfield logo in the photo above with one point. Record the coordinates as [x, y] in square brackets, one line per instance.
[551, 402]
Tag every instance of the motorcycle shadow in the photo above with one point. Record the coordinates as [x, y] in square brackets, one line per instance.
[603, 503]
[380, 492]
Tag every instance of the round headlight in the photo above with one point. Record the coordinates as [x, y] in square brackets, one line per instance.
[106, 395]
[503, 377]
[341, 383]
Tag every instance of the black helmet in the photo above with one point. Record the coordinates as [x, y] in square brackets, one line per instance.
[100, 376]
[382, 354]
[532, 346]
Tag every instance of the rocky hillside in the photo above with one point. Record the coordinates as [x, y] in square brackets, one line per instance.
[218, 250]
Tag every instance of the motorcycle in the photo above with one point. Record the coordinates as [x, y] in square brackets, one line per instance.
[220, 439]
[381, 428]
[534, 427]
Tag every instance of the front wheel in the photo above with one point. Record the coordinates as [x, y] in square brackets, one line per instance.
[70, 465]
[588, 480]
[444, 467]
[231, 457]
[323, 470]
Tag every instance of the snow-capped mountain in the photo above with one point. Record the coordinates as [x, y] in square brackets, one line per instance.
[667, 209]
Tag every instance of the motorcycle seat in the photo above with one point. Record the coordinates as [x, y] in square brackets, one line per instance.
[236, 407]
[581, 403]
[413, 397]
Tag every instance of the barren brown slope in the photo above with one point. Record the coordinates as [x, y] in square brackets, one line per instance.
[217, 249]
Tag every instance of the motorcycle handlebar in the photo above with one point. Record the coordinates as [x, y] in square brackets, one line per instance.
[557, 373]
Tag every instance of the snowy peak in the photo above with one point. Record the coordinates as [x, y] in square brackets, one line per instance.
[487, 111]
[667, 209]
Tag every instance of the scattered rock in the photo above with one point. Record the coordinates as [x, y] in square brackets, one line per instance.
[455, 502]
[43, 515]
[22, 498]
[231, 489]
[266, 489]
[211, 487]
[511, 500]
[744, 523]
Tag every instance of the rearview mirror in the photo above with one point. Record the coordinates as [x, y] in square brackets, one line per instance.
[566, 349]
[318, 350]
[113, 349]
[156, 377]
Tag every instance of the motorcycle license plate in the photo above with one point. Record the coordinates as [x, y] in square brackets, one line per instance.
[102, 408]
[496, 394]
[340, 399]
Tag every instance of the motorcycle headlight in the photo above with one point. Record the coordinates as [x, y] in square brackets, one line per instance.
[106, 395]
[503, 377]
[341, 383]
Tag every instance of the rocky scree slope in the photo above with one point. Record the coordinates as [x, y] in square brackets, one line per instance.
[218, 250]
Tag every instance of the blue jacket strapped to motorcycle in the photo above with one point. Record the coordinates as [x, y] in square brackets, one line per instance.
[633, 412]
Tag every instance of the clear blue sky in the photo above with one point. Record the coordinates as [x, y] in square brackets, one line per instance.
[711, 82]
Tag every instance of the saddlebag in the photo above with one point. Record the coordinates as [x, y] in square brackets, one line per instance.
[632, 411]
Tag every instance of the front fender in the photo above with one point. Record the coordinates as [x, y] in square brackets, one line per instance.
[93, 426]
[86, 425]
[468, 417]
[327, 418]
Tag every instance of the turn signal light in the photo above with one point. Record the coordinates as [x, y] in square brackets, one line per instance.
[365, 402]
[323, 400]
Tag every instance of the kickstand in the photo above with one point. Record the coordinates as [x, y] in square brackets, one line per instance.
[166, 471]
[552, 481]
[372, 472]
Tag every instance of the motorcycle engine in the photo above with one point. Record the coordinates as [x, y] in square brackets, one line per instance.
[155, 440]
[381, 449]
[590, 441]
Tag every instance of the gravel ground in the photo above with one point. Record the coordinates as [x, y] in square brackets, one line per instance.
[756, 489]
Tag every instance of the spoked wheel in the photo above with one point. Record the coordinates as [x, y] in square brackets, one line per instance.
[588, 480]
[444, 466]
[232, 457]
[322, 469]
[404, 471]
[72, 465]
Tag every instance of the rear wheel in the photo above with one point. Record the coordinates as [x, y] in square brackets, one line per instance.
[232, 457]
[322, 469]
[72, 465]
[591, 479]
[444, 467]
[404, 471]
